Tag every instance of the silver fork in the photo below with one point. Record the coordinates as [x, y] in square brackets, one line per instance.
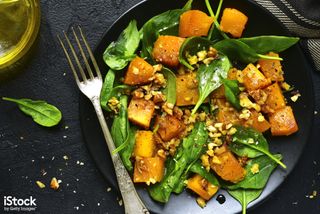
[91, 87]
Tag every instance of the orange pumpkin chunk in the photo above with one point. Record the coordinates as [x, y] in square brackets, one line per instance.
[140, 112]
[226, 113]
[283, 122]
[233, 21]
[202, 187]
[226, 165]
[166, 50]
[271, 68]
[144, 145]
[169, 127]
[187, 92]
[257, 121]
[275, 99]
[139, 72]
[148, 170]
[194, 23]
[253, 79]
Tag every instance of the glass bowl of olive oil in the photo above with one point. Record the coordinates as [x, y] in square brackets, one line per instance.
[19, 26]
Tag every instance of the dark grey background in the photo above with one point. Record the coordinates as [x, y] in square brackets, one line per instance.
[28, 150]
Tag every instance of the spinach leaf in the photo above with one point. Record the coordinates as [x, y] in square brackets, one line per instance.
[188, 152]
[251, 143]
[245, 134]
[210, 77]
[106, 89]
[170, 89]
[199, 169]
[126, 153]
[232, 91]
[120, 130]
[240, 51]
[265, 44]
[215, 34]
[119, 53]
[190, 47]
[164, 22]
[41, 112]
[259, 179]
[245, 196]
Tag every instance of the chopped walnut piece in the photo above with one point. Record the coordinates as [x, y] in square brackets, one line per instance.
[40, 184]
[54, 184]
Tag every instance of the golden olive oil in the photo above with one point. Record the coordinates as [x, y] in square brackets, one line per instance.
[19, 26]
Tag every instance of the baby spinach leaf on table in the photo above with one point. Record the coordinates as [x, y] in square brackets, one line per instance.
[186, 154]
[257, 180]
[164, 22]
[210, 77]
[240, 51]
[190, 47]
[265, 44]
[170, 89]
[41, 112]
[120, 130]
[251, 143]
[231, 92]
[245, 196]
[120, 52]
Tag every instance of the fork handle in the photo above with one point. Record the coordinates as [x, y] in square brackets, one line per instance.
[131, 200]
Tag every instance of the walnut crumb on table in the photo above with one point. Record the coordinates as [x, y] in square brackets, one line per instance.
[54, 184]
[40, 184]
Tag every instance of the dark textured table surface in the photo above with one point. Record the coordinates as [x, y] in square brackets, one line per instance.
[29, 152]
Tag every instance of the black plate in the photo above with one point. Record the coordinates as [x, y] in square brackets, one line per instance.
[297, 73]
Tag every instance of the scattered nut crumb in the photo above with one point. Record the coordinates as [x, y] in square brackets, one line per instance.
[120, 202]
[109, 189]
[40, 184]
[54, 184]
[201, 202]
[295, 97]
[65, 157]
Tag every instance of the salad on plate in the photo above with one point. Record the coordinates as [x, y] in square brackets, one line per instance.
[191, 101]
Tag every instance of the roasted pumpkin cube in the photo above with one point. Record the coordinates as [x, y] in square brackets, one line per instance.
[253, 79]
[219, 93]
[226, 113]
[144, 145]
[275, 99]
[271, 68]
[166, 50]
[194, 23]
[187, 92]
[202, 187]
[139, 72]
[148, 170]
[140, 112]
[169, 127]
[226, 165]
[257, 121]
[233, 21]
[283, 122]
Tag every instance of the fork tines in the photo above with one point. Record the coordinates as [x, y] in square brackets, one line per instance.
[84, 75]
